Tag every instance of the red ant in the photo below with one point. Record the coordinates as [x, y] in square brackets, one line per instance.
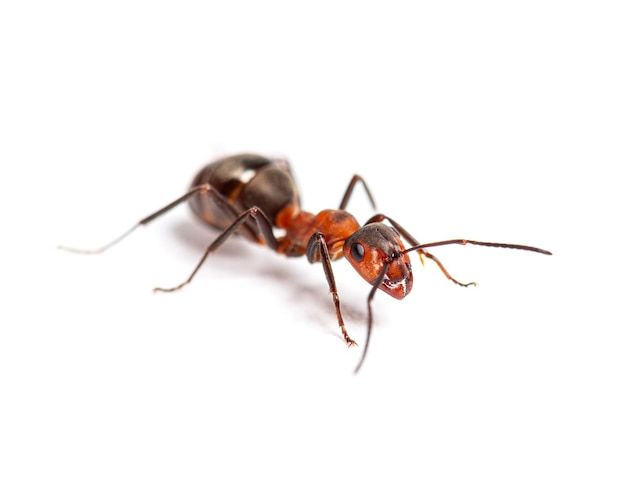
[251, 195]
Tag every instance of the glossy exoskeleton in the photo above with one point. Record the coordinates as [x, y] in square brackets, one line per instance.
[251, 195]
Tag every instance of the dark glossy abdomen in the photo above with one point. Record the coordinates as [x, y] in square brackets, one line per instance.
[245, 180]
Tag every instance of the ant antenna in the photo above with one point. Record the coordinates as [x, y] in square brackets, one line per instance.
[461, 241]
[375, 285]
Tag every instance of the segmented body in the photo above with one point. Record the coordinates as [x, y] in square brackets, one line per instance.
[251, 195]
[246, 181]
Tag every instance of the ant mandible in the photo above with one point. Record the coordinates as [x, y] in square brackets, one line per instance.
[251, 195]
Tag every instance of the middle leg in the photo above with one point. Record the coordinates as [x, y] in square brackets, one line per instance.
[346, 197]
[255, 214]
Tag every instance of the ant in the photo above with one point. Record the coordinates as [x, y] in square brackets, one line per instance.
[251, 195]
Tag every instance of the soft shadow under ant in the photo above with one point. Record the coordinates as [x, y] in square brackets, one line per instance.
[311, 299]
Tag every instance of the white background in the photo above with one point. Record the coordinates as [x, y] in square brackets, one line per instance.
[488, 120]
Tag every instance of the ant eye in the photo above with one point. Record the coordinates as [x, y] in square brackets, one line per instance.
[358, 252]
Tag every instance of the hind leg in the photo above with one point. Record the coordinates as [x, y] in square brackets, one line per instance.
[206, 189]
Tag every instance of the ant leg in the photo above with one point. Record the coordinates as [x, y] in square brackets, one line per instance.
[346, 197]
[318, 250]
[430, 256]
[264, 225]
[370, 319]
[413, 241]
[201, 189]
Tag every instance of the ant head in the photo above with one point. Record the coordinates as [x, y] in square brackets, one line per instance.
[370, 248]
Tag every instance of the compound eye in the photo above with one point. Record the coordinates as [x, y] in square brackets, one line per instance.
[358, 252]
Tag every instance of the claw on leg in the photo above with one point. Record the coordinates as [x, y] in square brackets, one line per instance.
[349, 341]
[169, 289]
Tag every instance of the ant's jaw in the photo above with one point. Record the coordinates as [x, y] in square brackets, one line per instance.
[398, 280]
[397, 289]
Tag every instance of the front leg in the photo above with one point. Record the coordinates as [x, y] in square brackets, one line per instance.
[317, 250]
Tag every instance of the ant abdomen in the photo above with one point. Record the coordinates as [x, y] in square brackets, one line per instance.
[244, 181]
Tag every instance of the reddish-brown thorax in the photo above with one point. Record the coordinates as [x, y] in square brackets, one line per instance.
[300, 226]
